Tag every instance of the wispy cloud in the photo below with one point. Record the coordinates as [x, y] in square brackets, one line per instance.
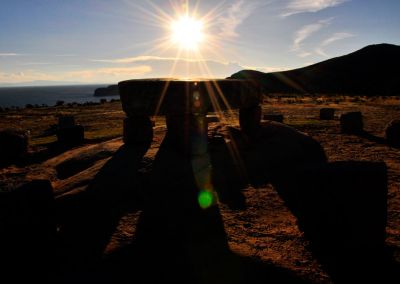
[111, 73]
[302, 6]
[65, 55]
[306, 31]
[144, 58]
[336, 37]
[265, 68]
[234, 16]
[304, 54]
[9, 54]
[36, 63]
[24, 76]
[85, 75]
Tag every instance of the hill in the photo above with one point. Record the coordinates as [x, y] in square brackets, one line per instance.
[372, 70]
[111, 90]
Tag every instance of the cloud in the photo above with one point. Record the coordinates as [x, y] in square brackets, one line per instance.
[304, 54]
[266, 69]
[25, 76]
[321, 52]
[187, 67]
[306, 31]
[234, 16]
[36, 63]
[9, 54]
[303, 6]
[143, 58]
[107, 74]
[336, 37]
[84, 76]
[127, 68]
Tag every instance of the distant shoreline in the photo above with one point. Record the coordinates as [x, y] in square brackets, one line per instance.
[49, 95]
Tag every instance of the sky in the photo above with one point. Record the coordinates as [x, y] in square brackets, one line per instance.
[102, 41]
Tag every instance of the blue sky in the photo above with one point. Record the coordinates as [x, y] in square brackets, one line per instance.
[102, 41]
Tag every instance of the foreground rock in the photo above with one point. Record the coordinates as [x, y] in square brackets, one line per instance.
[13, 145]
[28, 232]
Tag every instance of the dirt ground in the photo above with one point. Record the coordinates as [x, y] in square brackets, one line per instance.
[266, 230]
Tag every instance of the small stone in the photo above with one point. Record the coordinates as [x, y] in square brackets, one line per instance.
[327, 114]
[351, 122]
[274, 117]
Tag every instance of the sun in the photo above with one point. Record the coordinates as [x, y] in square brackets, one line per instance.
[187, 32]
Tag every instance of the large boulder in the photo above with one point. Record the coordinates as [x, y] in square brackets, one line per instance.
[28, 231]
[13, 145]
[342, 209]
[270, 154]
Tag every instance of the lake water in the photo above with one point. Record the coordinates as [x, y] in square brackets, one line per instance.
[20, 96]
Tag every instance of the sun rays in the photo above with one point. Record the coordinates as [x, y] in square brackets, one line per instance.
[193, 36]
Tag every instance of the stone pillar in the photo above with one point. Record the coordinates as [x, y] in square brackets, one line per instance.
[250, 119]
[138, 130]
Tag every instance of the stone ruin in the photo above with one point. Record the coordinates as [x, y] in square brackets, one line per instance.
[68, 132]
[14, 145]
[341, 207]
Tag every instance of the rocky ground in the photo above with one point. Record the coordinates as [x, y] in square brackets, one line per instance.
[266, 230]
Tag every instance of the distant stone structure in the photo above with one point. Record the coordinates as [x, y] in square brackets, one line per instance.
[327, 114]
[68, 133]
[274, 117]
[351, 122]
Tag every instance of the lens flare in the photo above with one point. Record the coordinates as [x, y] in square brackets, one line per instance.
[206, 199]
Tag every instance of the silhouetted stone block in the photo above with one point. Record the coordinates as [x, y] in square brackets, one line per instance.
[138, 130]
[28, 229]
[342, 209]
[250, 118]
[71, 136]
[393, 133]
[13, 145]
[66, 121]
[274, 117]
[170, 96]
[351, 122]
[327, 114]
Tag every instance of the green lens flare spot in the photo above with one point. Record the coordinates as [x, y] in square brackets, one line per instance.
[206, 199]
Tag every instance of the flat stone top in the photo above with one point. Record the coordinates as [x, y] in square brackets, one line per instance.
[176, 96]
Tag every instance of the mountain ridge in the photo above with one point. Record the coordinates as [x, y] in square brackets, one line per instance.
[371, 70]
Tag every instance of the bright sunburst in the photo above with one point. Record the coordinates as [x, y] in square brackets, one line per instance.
[187, 32]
